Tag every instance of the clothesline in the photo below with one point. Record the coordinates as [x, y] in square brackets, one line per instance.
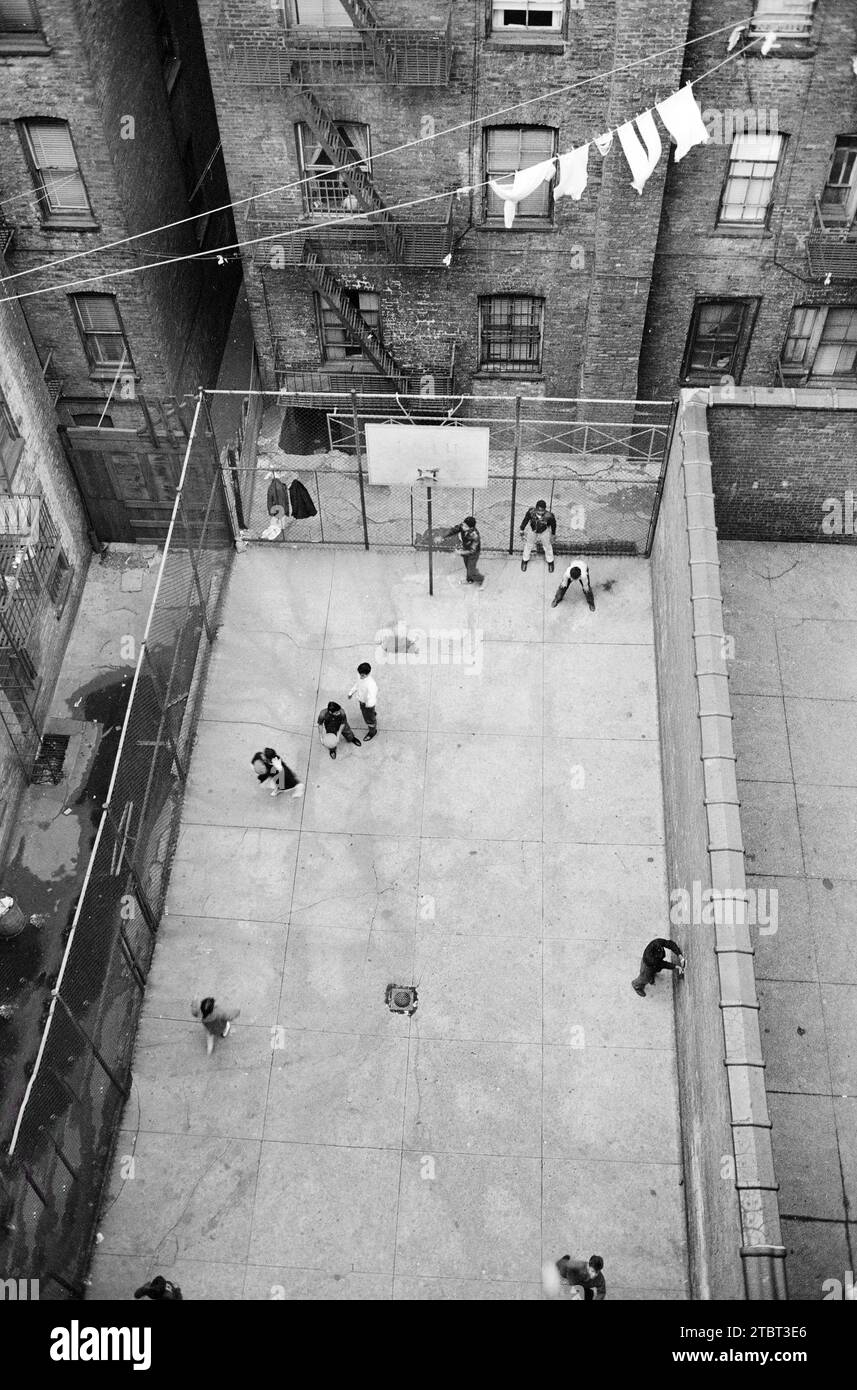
[641, 145]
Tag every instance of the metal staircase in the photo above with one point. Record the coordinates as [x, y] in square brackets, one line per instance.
[363, 18]
[333, 293]
[353, 175]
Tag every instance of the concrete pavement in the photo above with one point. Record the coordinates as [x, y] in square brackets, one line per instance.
[792, 610]
[499, 846]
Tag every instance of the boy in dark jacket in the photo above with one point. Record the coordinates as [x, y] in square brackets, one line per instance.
[538, 529]
[333, 722]
[470, 544]
[654, 961]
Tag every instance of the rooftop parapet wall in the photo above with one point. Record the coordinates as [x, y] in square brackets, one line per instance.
[784, 463]
[733, 1214]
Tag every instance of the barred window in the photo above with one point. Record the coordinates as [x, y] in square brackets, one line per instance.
[510, 333]
[328, 192]
[753, 162]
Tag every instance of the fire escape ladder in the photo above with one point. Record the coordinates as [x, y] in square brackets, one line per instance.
[363, 17]
[333, 293]
[352, 174]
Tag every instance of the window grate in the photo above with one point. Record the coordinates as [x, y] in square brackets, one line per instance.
[48, 767]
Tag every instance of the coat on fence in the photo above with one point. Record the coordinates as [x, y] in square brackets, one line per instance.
[278, 496]
[302, 503]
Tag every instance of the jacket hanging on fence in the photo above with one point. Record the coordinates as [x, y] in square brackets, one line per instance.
[278, 497]
[302, 503]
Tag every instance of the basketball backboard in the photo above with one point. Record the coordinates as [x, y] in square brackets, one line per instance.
[439, 455]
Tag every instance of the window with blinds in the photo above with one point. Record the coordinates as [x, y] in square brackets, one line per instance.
[19, 17]
[53, 163]
[101, 332]
[508, 149]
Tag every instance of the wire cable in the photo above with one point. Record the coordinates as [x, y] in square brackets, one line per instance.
[382, 154]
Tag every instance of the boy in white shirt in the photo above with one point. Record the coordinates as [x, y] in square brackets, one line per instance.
[577, 570]
[367, 693]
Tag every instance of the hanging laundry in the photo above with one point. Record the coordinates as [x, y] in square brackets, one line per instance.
[683, 119]
[641, 157]
[735, 36]
[770, 40]
[573, 173]
[524, 182]
[302, 503]
[603, 143]
[278, 498]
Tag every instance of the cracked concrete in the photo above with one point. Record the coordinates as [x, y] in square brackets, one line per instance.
[331, 1148]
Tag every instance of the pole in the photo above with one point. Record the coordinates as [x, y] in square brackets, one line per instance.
[515, 454]
[360, 469]
[430, 544]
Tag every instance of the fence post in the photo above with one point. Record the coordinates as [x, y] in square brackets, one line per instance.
[221, 465]
[516, 451]
[360, 469]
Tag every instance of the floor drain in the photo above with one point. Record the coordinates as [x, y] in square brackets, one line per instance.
[49, 764]
[401, 999]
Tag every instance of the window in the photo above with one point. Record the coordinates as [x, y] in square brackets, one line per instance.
[749, 184]
[329, 193]
[20, 28]
[168, 51]
[536, 16]
[93, 419]
[59, 183]
[321, 14]
[337, 342]
[839, 199]
[508, 149]
[11, 444]
[718, 339]
[821, 343]
[788, 18]
[19, 17]
[102, 333]
[510, 333]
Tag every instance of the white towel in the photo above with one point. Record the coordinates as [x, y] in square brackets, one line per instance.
[641, 158]
[603, 143]
[524, 182]
[735, 36]
[683, 119]
[573, 173]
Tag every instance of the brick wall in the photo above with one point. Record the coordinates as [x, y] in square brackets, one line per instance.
[812, 93]
[42, 468]
[595, 301]
[102, 69]
[785, 469]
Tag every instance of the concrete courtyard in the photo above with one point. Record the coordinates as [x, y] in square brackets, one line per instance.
[500, 847]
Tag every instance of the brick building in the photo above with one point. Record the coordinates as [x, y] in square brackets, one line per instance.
[44, 551]
[108, 129]
[553, 306]
[755, 275]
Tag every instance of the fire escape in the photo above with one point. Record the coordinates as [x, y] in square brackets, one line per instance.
[301, 59]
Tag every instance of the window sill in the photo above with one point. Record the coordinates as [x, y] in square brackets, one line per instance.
[742, 229]
[109, 373]
[525, 43]
[521, 224]
[494, 375]
[24, 46]
[84, 225]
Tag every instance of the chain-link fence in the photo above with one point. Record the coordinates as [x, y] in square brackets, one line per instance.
[52, 1180]
[301, 475]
